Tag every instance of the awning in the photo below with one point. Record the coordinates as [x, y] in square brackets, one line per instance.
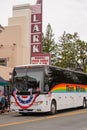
[3, 82]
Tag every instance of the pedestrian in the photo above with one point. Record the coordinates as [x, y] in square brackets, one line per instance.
[6, 103]
[1, 101]
[1, 93]
[2, 104]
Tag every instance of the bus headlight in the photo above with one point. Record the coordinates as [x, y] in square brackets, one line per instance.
[38, 103]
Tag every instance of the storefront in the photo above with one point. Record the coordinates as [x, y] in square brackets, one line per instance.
[4, 86]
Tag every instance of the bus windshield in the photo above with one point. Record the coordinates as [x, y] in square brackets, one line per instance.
[27, 79]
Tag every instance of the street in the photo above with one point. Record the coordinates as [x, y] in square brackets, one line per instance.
[75, 119]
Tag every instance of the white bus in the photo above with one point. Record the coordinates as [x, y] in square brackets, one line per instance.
[45, 88]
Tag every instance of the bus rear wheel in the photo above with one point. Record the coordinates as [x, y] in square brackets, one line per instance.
[53, 107]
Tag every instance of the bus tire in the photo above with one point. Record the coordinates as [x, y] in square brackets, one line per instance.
[23, 114]
[84, 103]
[53, 107]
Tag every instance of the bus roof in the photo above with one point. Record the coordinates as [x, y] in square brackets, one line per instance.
[30, 65]
[41, 65]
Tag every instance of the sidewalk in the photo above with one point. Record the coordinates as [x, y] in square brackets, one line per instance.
[5, 111]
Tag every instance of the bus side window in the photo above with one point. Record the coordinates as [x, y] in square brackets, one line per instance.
[46, 87]
[46, 84]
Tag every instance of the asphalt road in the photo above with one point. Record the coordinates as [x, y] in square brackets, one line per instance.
[75, 119]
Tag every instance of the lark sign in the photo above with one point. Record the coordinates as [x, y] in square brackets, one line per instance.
[36, 28]
[37, 57]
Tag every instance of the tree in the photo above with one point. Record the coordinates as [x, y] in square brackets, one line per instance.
[49, 45]
[72, 52]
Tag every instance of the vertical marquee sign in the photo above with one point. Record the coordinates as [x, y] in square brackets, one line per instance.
[36, 28]
[37, 57]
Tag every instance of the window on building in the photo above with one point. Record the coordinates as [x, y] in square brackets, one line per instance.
[3, 61]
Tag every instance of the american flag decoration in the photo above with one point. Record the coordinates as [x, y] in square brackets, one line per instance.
[14, 91]
[24, 101]
[49, 94]
[38, 89]
[30, 90]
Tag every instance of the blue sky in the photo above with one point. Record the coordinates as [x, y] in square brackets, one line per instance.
[63, 15]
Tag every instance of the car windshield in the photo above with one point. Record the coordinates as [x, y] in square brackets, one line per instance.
[26, 79]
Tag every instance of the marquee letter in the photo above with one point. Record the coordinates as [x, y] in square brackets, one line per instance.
[35, 48]
[36, 28]
[35, 18]
[35, 38]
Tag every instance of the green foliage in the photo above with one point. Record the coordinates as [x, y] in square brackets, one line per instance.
[72, 52]
[49, 45]
[69, 52]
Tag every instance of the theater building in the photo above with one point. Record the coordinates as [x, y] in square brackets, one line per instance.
[15, 40]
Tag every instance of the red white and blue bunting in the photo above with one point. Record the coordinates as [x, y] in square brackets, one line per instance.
[26, 101]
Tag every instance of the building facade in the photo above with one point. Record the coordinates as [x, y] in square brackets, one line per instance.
[15, 40]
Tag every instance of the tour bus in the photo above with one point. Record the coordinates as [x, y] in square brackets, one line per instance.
[46, 88]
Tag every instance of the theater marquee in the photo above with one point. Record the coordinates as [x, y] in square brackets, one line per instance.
[36, 35]
[36, 28]
[41, 59]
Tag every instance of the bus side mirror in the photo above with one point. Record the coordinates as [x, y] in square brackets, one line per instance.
[38, 83]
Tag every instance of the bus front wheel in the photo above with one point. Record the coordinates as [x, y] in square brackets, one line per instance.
[53, 107]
